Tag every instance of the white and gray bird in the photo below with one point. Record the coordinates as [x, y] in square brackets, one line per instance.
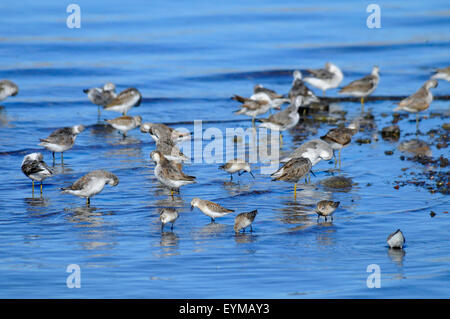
[396, 240]
[125, 123]
[328, 78]
[91, 184]
[209, 208]
[124, 101]
[34, 167]
[243, 220]
[102, 96]
[8, 88]
[300, 89]
[163, 133]
[61, 140]
[442, 74]
[168, 215]
[237, 165]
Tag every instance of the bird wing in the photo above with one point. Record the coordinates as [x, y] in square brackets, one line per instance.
[320, 73]
[365, 84]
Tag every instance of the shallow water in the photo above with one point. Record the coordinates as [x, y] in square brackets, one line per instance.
[187, 60]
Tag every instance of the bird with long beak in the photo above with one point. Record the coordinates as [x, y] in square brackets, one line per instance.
[292, 171]
[237, 165]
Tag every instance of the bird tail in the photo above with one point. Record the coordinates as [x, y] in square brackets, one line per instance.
[86, 90]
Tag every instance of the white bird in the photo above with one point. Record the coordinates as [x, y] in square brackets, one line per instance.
[123, 102]
[61, 140]
[210, 209]
[168, 215]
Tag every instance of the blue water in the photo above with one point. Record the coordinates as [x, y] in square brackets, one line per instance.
[187, 58]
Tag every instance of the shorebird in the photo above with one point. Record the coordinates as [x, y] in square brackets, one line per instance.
[314, 150]
[442, 74]
[210, 209]
[339, 138]
[258, 88]
[163, 133]
[61, 140]
[170, 151]
[125, 123]
[299, 88]
[170, 174]
[419, 101]
[396, 240]
[285, 119]
[91, 184]
[363, 87]
[257, 104]
[243, 220]
[236, 165]
[123, 102]
[326, 208]
[168, 215]
[101, 96]
[328, 78]
[8, 88]
[293, 171]
[34, 167]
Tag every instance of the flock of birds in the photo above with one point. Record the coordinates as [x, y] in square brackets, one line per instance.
[169, 158]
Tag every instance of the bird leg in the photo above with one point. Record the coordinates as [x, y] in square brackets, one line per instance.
[32, 188]
[162, 227]
[281, 139]
[62, 158]
[251, 229]
[417, 122]
[171, 193]
[295, 191]
[339, 159]
[231, 177]
[253, 121]
[41, 188]
[171, 228]
[362, 105]
[88, 202]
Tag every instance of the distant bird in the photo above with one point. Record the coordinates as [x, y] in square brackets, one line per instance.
[285, 119]
[91, 184]
[326, 208]
[125, 123]
[396, 240]
[258, 105]
[419, 101]
[363, 87]
[300, 89]
[210, 209]
[101, 96]
[340, 137]
[163, 133]
[61, 140]
[442, 74]
[236, 166]
[168, 215]
[8, 88]
[243, 220]
[328, 78]
[170, 174]
[123, 102]
[293, 171]
[34, 167]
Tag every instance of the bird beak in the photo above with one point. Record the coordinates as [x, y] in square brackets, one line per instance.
[313, 173]
[252, 174]
[192, 207]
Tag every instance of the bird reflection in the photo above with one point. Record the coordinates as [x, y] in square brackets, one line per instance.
[92, 219]
[4, 122]
[245, 238]
[236, 188]
[415, 147]
[212, 229]
[325, 237]
[396, 255]
[169, 244]
[37, 205]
